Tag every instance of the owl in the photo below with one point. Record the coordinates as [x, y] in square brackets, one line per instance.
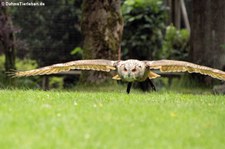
[127, 70]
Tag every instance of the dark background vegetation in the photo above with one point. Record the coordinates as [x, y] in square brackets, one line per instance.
[55, 33]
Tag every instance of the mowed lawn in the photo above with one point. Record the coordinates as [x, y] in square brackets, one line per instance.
[35, 119]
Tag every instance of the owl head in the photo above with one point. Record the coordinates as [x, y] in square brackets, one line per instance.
[132, 70]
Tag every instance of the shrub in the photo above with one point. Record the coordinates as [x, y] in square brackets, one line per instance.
[175, 44]
[144, 27]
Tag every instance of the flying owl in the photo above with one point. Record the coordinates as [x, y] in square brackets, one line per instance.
[127, 70]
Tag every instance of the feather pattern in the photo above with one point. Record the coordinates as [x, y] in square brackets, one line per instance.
[181, 66]
[108, 65]
[98, 65]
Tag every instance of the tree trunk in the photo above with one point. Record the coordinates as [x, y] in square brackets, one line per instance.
[102, 27]
[208, 33]
[7, 39]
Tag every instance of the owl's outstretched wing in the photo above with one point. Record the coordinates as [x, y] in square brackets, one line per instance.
[98, 65]
[181, 66]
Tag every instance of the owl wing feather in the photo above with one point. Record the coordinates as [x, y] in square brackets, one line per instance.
[98, 65]
[182, 66]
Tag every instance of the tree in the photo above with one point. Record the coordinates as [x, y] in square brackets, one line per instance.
[49, 34]
[208, 33]
[7, 38]
[102, 26]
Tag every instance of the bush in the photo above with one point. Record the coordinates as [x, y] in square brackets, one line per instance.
[144, 27]
[175, 44]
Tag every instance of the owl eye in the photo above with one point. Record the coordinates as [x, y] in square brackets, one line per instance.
[125, 69]
[133, 70]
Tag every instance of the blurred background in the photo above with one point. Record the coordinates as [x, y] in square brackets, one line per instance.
[66, 30]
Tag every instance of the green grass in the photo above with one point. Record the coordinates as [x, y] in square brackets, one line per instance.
[110, 120]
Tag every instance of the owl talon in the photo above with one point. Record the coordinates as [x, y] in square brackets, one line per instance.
[152, 85]
[128, 87]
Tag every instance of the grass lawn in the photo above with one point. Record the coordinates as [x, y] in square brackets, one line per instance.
[35, 119]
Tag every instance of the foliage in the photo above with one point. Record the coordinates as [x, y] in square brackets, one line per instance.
[223, 46]
[30, 82]
[2, 61]
[77, 50]
[25, 64]
[144, 26]
[56, 82]
[21, 64]
[129, 5]
[175, 44]
[2, 75]
[50, 32]
[39, 119]
[47, 34]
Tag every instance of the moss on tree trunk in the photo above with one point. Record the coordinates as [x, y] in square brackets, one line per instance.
[102, 27]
